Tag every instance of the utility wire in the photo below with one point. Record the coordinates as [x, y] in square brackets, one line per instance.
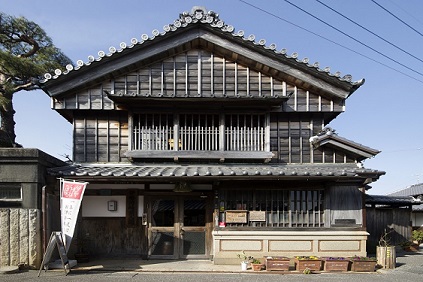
[405, 11]
[356, 40]
[329, 40]
[389, 12]
[386, 41]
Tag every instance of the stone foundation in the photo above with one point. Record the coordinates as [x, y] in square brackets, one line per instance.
[20, 235]
[227, 244]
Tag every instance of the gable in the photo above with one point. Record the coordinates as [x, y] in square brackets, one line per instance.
[328, 138]
[194, 76]
[201, 31]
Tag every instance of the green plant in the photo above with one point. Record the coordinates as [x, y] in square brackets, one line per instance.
[307, 271]
[384, 240]
[307, 257]
[359, 258]
[406, 244]
[255, 261]
[243, 256]
[417, 235]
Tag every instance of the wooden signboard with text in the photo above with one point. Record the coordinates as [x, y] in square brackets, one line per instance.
[236, 216]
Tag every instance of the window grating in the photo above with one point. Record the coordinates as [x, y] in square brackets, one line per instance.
[10, 191]
[199, 132]
[282, 208]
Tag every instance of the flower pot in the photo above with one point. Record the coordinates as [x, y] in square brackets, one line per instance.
[312, 264]
[386, 256]
[334, 265]
[412, 248]
[244, 266]
[256, 266]
[363, 265]
[277, 263]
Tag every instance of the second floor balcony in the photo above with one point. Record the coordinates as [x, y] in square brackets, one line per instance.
[200, 136]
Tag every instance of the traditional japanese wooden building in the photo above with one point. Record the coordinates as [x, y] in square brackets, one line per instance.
[201, 142]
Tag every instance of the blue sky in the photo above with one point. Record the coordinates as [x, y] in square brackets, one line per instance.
[385, 113]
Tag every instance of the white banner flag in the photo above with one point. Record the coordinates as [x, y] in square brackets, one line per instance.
[70, 201]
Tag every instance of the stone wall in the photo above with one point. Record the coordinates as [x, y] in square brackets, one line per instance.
[20, 237]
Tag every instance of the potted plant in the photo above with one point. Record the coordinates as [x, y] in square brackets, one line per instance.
[363, 264]
[332, 264]
[385, 252]
[311, 262]
[409, 246]
[417, 236]
[256, 264]
[244, 260]
[277, 263]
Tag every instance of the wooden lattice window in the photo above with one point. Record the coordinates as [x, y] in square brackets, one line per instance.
[10, 192]
[245, 132]
[280, 208]
[153, 132]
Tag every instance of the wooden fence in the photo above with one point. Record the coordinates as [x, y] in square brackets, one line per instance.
[396, 221]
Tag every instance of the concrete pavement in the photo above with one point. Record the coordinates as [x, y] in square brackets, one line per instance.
[409, 268]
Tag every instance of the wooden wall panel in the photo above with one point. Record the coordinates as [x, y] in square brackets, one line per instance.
[110, 237]
[101, 138]
[346, 202]
[396, 220]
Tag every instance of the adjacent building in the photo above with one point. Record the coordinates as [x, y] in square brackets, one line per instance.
[415, 191]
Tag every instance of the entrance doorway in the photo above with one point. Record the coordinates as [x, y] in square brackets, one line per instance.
[179, 227]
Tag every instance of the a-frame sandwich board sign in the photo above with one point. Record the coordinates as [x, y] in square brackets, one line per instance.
[56, 239]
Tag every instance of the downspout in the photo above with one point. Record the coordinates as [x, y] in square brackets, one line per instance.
[44, 216]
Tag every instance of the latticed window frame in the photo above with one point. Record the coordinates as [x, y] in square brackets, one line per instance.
[10, 192]
[282, 208]
[200, 132]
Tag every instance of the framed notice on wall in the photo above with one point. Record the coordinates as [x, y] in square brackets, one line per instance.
[236, 216]
[257, 216]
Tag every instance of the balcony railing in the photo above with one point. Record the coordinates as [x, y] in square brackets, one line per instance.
[199, 139]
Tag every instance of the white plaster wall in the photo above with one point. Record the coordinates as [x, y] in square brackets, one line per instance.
[96, 206]
[417, 219]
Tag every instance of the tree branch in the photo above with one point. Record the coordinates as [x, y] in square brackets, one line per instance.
[26, 86]
[32, 42]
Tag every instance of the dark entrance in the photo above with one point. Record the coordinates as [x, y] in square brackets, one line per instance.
[179, 227]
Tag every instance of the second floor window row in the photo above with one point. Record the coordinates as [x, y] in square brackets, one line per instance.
[199, 132]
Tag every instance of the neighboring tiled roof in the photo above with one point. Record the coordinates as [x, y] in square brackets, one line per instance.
[328, 136]
[413, 190]
[151, 171]
[392, 200]
[199, 15]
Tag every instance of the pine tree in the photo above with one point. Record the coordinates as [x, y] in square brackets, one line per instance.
[26, 54]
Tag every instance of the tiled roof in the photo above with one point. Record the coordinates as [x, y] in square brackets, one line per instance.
[215, 170]
[413, 190]
[328, 136]
[199, 15]
[392, 200]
